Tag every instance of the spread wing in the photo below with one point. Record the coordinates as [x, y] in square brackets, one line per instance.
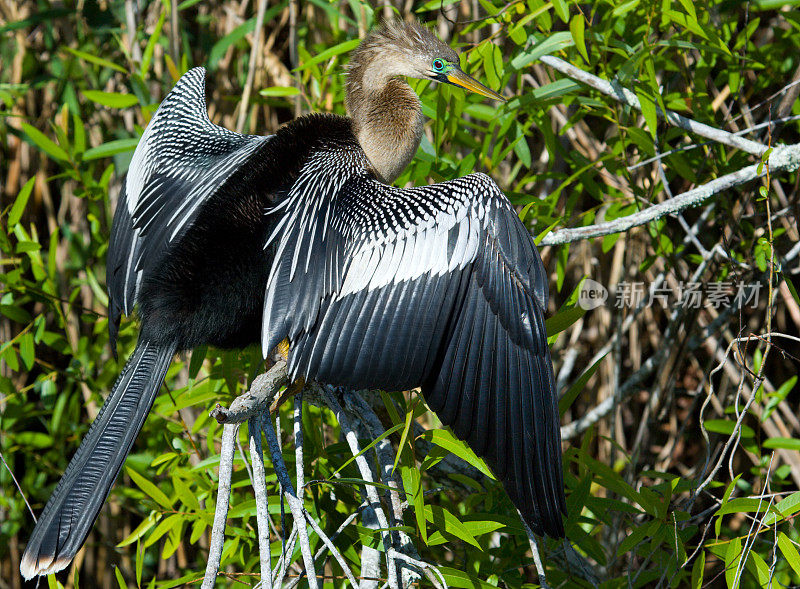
[439, 287]
[181, 161]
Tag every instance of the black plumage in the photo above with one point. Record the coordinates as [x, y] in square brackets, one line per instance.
[222, 239]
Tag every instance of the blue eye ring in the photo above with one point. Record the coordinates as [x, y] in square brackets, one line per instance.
[438, 65]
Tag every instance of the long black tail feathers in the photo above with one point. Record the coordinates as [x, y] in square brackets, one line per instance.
[74, 505]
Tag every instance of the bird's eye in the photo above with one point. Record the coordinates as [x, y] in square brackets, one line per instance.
[438, 65]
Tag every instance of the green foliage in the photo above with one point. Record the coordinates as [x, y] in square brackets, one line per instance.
[74, 99]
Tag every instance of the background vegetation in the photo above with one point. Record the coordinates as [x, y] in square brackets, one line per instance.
[689, 474]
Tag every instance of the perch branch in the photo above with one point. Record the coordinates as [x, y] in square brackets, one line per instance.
[349, 431]
[254, 401]
[223, 497]
[295, 504]
[262, 505]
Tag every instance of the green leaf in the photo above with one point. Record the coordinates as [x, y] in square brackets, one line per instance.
[648, 106]
[120, 579]
[96, 60]
[576, 29]
[16, 313]
[149, 488]
[476, 528]
[563, 319]
[111, 148]
[792, 290]
[330, 52]
[732, 557]
[21, 201]
[566, 400]
[44, 143]
[789, 552]
[786, 507]
[165, 526]
[548, 44]
[406, 429]
[111, 99]
[561, 9]
[698, 569]
[784, 443]
[34, 439]
[141, 529]
[645, 531]
[449, 442]
[279, 91]
[412, 484]
[385, 434]
[147, 57]
[624, 8]
[27, 352]
[447, 523]
[726, 427]
[461, 579]
[220, 47]
[745, 505]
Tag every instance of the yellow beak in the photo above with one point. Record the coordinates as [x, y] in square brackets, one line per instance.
[459, 78]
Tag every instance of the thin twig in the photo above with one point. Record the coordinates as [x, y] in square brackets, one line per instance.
[251, 67]
[537, 559]
[175, 34]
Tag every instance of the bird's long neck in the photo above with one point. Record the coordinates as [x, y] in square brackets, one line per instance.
[386, 113]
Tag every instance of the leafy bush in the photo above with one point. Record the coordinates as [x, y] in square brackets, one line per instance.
[688, 468]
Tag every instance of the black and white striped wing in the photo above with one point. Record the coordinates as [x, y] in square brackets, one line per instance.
[182, 159]
[439, 287]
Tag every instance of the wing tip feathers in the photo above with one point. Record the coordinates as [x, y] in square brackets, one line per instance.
[39, 565]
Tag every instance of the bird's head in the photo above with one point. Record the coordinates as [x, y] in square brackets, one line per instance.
[399, 48]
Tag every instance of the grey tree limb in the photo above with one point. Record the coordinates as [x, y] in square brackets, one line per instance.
[349, 431]
[784, 158]
[625, 96]
[295, 504]
[262, 505]
[256, 399]
[385, 454]
[229, 432]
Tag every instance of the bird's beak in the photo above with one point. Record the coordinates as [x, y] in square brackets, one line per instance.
[459, 78]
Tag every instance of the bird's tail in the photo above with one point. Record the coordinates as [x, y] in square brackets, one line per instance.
[73, 507]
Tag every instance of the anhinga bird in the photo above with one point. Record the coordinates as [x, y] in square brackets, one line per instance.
[220, 238]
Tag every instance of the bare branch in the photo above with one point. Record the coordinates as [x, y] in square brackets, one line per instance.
[262, 505]
[782, 159]
[537, 559]
[627, 97]
[255, 400]
[349, 432]
[229, 432]
[295, 504]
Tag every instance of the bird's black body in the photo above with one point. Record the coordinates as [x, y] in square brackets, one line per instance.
[221, 238]
[208, 288]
